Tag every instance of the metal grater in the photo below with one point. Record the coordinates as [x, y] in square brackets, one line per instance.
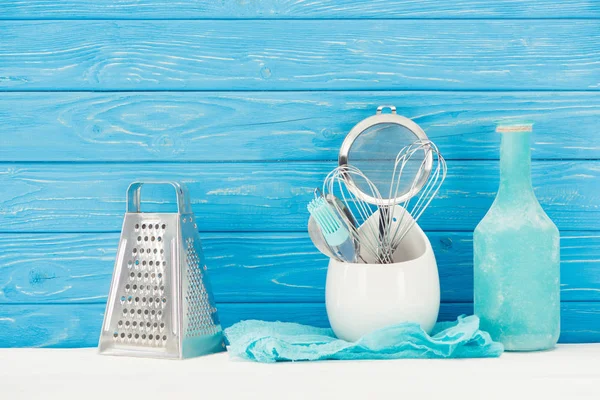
[160, 302]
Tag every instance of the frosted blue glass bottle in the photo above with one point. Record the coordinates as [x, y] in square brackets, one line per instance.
[516, 256]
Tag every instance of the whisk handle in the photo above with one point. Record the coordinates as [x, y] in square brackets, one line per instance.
[135, 189]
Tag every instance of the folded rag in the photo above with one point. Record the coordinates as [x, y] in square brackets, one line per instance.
[283, 341]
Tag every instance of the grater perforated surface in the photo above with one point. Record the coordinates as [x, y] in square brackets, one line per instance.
[140, 310]
[200, 311]
[142, 299]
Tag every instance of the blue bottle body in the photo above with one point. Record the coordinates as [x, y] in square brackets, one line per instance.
[517, 258]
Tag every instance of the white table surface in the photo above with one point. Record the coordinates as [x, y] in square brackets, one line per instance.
[568, 372]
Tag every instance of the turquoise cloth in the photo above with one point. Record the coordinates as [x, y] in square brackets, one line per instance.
[283, 341]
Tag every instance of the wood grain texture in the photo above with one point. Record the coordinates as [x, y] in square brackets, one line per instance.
[79, 325]
[252, 126]
[266, 196]
[288, 55]
[206, 9]
[249, 267]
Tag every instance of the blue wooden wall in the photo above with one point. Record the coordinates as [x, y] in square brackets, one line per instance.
[247, 102]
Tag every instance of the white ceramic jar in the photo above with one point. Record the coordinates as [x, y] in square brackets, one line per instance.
[362, 298]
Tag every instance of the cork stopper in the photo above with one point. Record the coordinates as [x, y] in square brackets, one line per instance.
[524, 127]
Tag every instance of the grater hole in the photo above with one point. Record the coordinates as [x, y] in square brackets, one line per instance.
[139, 311]
[155, 251]
[148, 251]
[134, 287]
[151, 263]
[164, 337]
[164, 226]
[144, 226]
[156, 226]
[139, 239]
[124, 312]
[137, 336]
[153, 238]
[144, 263]
[146, 274]
[116, 335]
[129, 335]
[137, 226]
[129, 298]
[134, 250]
[148, 324]
[137, 262]
[137, 299]
[134, 324]
[122, 335]
[150, 336]
[143, 336]
[159, 239]
[145, 238]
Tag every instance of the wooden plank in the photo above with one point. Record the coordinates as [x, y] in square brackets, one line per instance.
[266, 196]
[275, 55]
[206, 9]
[79, 325]
[249, 267]
[252, 126]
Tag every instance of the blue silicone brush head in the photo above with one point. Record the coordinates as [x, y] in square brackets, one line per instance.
[334, 231]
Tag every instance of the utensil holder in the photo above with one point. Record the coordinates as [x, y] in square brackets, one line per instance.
[361, 298]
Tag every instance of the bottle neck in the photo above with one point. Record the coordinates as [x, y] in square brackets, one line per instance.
[515, 163]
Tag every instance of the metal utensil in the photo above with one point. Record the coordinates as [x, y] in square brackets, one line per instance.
[336, 185]
[316, 235]
[160, 302]
[396, 226]
[372, 146]
[372, 175]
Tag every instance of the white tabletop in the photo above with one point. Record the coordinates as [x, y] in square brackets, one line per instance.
[568, 372]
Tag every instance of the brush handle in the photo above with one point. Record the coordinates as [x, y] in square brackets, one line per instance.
[346, 251]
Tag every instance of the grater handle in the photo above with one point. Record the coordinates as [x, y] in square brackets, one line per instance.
[135, 189]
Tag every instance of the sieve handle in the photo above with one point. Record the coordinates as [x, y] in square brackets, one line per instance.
[135, 189]
[381, 108]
